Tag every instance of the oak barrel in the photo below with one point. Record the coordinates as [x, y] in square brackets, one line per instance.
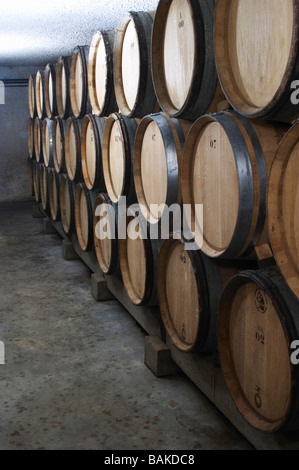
[36, 172]
[30, 164]
[100, 74]
[54, 190]
[84, 209]
[40, 94]
[47, 141]
[63, 87]
[257, 56]
[183, 61]
[67, 189]
[226, 164]
[91, 151]
[31, 96]
[105, 232]
[133, 82]
[158, 152]
[38, 147]
[257, 324]
[50, 91]
[283, 206]
[190, 285]
[118, 157]
[58, 131]
[30, 137]
[138, 256]
[44, 188]
[72, 148]
[79, 95]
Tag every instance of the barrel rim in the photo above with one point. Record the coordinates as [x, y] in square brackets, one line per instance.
[47, 126]
[54, 187]
[228, 84]
[98, 182]
[31, 96]
[66, 183]
[79, 111]
[81, 188]
[76, 123]
[40, 102]
[30, 138]
[38, 123]
[58, 121]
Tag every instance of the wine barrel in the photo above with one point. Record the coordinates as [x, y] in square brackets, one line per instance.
[50, 91]
[44, 188]
[67, 190]
[30, 164]
[226, 163]
[72, 148]
[138, 256]
[283, 206]
[257, 323]
[91, 151]
[79, 95]
[38, 147]
[84, 210]
[133, 82]
[58, 131]
[105, 232]
[30, 138]
[31, 96]
[47, 141]
[256, 71]
[40, 94]
[117, 157]
[190, 285]
[158, 178]
[63, 87]
[36, 171]
[100, 74]
[183, 61]
[54, 190]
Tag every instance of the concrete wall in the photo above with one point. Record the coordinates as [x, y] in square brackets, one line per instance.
[14, 115]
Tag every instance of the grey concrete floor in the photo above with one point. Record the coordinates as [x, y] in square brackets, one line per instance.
[74, 376]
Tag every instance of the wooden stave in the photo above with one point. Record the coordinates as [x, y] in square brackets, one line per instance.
[63, 112]
[114, 266]
[85, 108]
[36, 181]
[246, 235]
[270, 280]
[77, 123]
[57, 121]
[110, 103]
[47, 125]
[50, 70]
[98, 125]
[70, 186]
[281, 108]
[129, 128]
[146, 101]
[90, 196]
[197, 103]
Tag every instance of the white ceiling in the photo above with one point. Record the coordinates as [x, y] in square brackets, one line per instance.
[39, 31]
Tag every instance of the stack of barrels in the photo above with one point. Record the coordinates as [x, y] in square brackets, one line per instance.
[169, 148]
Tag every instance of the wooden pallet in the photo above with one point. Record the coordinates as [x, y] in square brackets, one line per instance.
[203, 370]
